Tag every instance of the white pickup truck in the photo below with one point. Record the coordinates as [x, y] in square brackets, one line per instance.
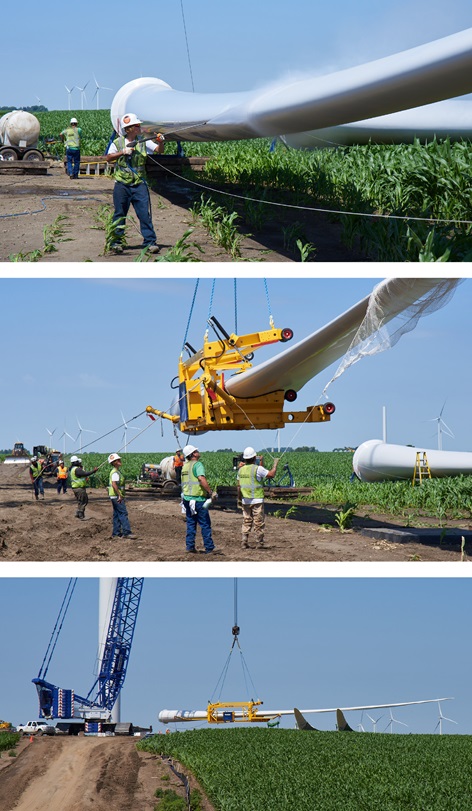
[36, 728]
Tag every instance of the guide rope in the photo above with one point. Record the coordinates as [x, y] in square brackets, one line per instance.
[374, 216]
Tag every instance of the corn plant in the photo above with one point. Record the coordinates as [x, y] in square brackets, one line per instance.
[115, 231]
[182, 251]
[54, 233]
[344, 516]
[29, 256]
[306, 250]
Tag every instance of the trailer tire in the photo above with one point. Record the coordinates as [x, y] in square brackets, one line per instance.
[33, 155]
[7, 153]
[170, 486]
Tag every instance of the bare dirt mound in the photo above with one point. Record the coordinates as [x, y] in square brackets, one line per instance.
[47, 530]
[30, 203]
[77, 773]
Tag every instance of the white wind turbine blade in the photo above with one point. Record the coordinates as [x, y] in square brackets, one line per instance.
[404, 81]
[176, 716]
[294, 367]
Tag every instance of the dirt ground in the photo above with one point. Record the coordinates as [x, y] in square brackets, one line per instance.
[78, 773]
[45, 197]
[47, 530]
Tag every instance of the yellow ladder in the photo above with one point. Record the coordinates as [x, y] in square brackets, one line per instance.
[422, 469]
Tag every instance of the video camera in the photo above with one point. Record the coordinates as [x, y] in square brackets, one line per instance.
[238, 459]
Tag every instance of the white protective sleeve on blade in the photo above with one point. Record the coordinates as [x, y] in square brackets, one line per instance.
[382, 327]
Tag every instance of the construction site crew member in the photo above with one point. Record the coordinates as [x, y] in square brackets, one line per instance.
[195, 492]
[62, 474]
[179, 460]
[116, 491]
[130, 181]
[251, 492]
[36, 475]
[78, 479]
[71, 137]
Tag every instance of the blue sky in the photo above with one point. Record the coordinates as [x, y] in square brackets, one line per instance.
[236, 46]
[63, 363]
[316, 642]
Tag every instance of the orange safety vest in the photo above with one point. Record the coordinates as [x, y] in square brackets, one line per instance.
[62, 472]
[178, 461]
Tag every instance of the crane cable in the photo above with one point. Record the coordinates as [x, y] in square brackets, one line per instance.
[210, 307]
[57, 630]
[186, 43]
[245, 670]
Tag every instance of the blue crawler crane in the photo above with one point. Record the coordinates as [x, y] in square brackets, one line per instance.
[91, 713]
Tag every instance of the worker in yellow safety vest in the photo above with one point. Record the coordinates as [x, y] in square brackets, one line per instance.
[196, 496]
[78, 480]
[129, 154]
[116, 492]
[71, 137]
[251, 494]
[36, 471]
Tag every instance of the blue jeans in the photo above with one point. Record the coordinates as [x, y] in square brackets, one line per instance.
[38, 485]
[201, 517]
[73, 161]
[125, 195]
[120, 518]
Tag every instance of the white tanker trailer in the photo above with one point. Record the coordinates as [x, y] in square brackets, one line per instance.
[19, 133]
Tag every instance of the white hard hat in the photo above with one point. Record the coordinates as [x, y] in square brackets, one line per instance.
[249, 453]
[74, 459]
[129, 119]
[74, 121]
[113, 458]
[188, 450]
[34, 458]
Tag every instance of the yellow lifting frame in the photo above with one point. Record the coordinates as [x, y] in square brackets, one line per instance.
[208, 407]
[247, 708]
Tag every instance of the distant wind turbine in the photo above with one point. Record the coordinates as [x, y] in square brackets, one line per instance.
[51, 434]
[124, 437]
[375, 721]
[97, 91]
[392, 722]
[442, 428]
[69, 91]
[441, 719]
[79, 435]
[83, 97]
[63, 436]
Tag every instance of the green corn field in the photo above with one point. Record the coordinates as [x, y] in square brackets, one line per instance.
[328, 474]
[284, 770]
[428, 182]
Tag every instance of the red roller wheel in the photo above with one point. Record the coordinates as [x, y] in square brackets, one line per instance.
[290, 395]
[287, 334]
